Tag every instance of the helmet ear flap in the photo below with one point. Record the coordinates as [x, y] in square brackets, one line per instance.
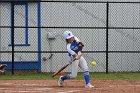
[67, 40]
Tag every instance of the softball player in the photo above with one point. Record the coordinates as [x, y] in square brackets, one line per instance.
[74, 48]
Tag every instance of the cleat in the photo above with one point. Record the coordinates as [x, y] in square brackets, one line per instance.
[60, 82]
[89, 86]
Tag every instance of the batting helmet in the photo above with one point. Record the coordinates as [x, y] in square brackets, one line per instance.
[68, 34]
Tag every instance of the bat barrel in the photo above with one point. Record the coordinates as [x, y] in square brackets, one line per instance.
[60, 70]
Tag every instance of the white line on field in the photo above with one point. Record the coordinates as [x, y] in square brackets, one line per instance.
[125, 85]
[15, 91]
[6, 83]
[135, 85]
[42, 89]
[70, 91]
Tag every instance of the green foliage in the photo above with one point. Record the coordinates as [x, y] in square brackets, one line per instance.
[94, 76]
[116, 76]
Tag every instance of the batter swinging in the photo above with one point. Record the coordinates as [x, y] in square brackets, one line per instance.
[74, 48]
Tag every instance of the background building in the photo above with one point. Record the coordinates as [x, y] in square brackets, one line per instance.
[87, 20]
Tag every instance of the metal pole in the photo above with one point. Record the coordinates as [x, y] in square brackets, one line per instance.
[107, 15]
[0, 30]
[39, 36]
[12, 38]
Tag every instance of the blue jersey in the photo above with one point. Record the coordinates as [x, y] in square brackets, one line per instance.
[72, 48]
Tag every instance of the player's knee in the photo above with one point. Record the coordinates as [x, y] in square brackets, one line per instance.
[86, 73]
[73, 75]
[86, 69]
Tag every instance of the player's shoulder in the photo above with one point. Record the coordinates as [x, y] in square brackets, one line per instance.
[68, 45]
[77, 39]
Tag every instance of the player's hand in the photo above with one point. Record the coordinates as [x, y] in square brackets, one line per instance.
[74, 58]
[71, 59]
[79, 53]
[77, 57]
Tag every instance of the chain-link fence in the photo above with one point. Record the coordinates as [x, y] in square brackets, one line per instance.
[31, 34]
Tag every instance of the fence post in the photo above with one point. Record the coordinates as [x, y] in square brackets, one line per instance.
[107, 15]
[39, 36]
[0, 31]
[12, 16]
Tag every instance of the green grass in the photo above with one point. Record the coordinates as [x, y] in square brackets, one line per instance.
[95, 76]
[117, 76]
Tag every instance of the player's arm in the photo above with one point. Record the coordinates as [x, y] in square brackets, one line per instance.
[80, 44]
[72, 52]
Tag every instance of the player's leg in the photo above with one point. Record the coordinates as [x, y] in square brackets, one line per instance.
[73, 74]
[83, 65]
[74, 70]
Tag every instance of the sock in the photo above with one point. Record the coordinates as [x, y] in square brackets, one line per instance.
[65, 77]
[87, 77]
